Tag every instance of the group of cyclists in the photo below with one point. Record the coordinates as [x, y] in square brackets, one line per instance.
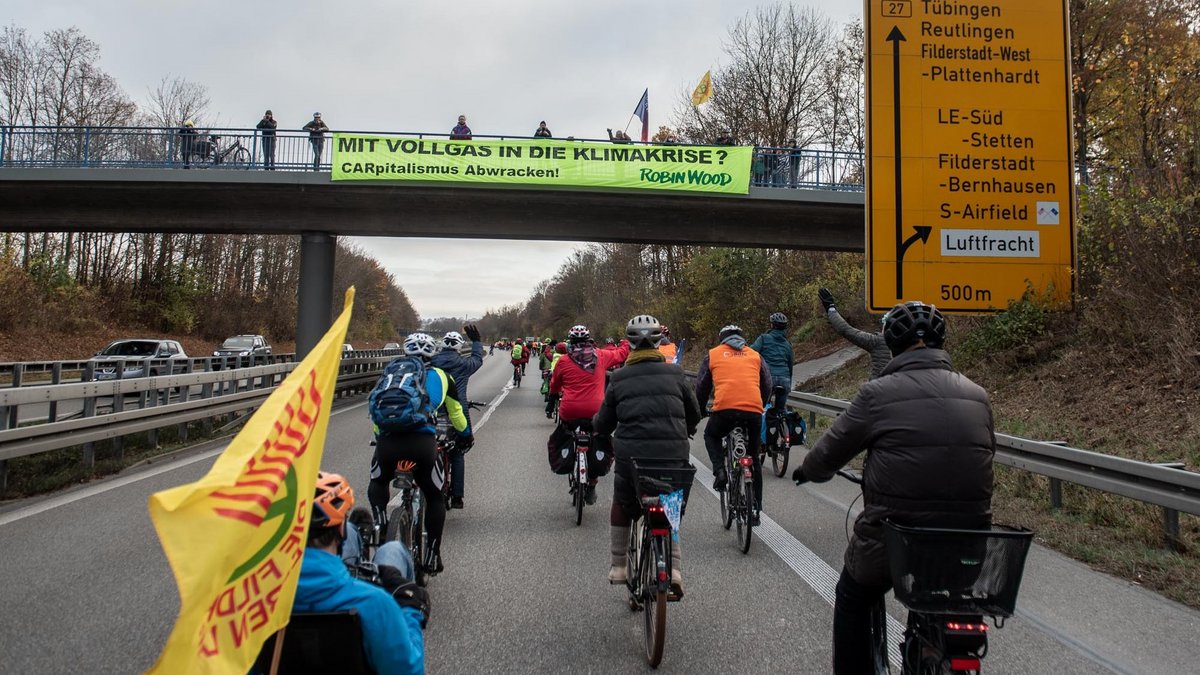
[927, 429]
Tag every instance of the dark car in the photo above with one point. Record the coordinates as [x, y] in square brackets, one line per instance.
[243, 347]
[168, 355]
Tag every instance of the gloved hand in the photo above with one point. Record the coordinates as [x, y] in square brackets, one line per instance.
[472, 332]
[409, 594]
[464, 442]
[827, 300]
[799, 477]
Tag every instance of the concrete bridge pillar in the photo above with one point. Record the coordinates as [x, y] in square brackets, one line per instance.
[315, 295]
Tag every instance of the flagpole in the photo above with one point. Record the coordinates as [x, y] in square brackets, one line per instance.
[278, 656]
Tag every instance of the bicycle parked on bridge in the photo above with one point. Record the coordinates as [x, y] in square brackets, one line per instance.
[738, 503]
[210, 151]
[650, 541]
[949, 580]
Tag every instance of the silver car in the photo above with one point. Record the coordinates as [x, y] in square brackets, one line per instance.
[168, 356]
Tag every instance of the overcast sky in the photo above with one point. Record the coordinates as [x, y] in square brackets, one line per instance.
[415, 65]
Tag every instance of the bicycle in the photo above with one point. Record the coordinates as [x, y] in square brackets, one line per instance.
[581, 443]
[779, 437]
[516, 375]
[948, 580]
[447, 443]
[209, 151]
[648, 557]
[737, 497]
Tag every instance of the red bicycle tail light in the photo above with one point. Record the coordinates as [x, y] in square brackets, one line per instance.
[662, 576]
[746, 461]
[656, 509]
[964, 664]
[659, 532]
[969, 627]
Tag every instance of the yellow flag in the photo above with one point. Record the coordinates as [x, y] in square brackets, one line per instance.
[704, 90]
[235, 538]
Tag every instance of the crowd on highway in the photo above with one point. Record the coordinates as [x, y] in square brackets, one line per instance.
[927, 429]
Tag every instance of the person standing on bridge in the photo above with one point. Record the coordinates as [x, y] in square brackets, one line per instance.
[872, 343]
[930, 444]
[650, 411]
[187, 142]
[459, 368]
[461, 132]
[267, 126]
[316, 137]
[542, 131]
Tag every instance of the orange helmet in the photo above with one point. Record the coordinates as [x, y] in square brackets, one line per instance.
[333, 501]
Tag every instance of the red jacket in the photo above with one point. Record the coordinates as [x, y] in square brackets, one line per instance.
[583, 392]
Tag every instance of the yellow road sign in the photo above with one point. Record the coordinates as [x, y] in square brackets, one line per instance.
[970, 181]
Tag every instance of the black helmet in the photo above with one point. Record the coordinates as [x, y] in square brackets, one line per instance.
[731, 329]
[779, 320]
[644, 332]
[912, 321]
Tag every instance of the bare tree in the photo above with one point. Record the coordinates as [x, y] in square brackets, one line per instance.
[770, 92]
[18, 65]
[176, 99]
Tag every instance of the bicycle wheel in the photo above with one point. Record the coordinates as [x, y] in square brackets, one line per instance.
[745, 509]
[654, 606]
[879, 646]
[779, 461]
[578, 500]
[240, 158]
[633, 571]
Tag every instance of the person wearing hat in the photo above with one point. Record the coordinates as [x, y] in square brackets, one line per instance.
[267, 125]
[187, 142]
[316, 137]
[542, 131]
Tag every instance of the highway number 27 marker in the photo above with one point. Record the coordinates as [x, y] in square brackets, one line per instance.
[970, 182]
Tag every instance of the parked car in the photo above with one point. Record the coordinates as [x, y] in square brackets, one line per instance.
[168, 354]
[392, 345]
[242, 346]
[347, 348]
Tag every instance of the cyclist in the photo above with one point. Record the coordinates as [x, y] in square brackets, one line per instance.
[519, 356]
[420, 446]
[738, 379]
[559, 350]
[653, 413]
[872, 343]
[579, 379]
[776, 350]
[391, 614]
[928, 434]
[668, 348]
[459, 368]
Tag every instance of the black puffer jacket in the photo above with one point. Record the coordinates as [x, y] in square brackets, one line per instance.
[654, 406]
[930, 443]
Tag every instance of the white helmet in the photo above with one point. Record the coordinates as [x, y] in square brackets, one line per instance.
[579, 333]
[452, 340]
[420, 344]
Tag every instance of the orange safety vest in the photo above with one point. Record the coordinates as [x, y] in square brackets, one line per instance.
[735, 376]
[668, 350]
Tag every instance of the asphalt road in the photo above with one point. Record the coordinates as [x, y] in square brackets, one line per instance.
[88, 589]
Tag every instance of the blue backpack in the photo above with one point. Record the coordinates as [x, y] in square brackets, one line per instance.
[399, 401]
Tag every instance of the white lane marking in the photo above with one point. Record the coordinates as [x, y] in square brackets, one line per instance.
[100, 488]
[492, 407]
[812, 569]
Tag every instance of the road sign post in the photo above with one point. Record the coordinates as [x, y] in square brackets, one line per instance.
[970, 181]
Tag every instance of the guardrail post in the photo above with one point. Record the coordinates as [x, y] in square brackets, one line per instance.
[55, 378]
[17, 371]
[1055, 493]
[87, 145]
[118, 405]
[3, 462]
[1171, 527]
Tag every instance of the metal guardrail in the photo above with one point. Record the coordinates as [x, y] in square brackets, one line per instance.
[294, 150]
[1168, 486]
[13, 374]
[162, 401]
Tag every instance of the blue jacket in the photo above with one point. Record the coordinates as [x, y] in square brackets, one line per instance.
[459, 367]
[391, 634]
[776, 351]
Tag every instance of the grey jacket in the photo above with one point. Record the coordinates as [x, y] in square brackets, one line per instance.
[872, 343]
[930, 442]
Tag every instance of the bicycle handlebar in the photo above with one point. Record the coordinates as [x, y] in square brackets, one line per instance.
[852, 476]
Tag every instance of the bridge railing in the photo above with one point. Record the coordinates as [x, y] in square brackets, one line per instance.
[80, 413]
[1168, 486]
[247, 149]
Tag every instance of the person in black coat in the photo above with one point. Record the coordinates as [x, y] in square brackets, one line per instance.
[267, 126]
[651, 412]
[930, 443]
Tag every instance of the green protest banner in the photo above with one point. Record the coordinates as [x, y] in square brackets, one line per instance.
[542, 162]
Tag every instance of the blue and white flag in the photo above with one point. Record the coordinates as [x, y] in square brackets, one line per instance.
[642, 112]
